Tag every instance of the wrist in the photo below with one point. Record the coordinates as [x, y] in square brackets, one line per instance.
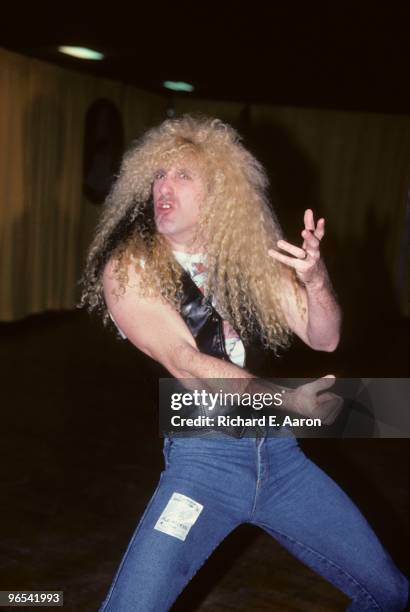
[317, 282]
[315, 285]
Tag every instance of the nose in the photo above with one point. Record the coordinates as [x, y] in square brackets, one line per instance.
[165, 186]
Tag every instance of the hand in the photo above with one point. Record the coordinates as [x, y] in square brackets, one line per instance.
[306, 260]
[306, 401]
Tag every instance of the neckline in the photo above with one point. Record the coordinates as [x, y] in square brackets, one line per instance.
[184, 255]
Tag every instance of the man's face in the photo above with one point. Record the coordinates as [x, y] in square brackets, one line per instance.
[178, 192]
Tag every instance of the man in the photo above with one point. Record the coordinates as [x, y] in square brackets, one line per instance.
[190, 263]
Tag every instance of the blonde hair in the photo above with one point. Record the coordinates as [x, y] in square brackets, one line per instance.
[242, 279]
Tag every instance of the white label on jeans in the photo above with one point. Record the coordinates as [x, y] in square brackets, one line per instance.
[178, 516]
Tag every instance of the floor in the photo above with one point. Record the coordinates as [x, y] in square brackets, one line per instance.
[80, 456]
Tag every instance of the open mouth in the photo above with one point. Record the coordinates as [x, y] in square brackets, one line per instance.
[164, 206]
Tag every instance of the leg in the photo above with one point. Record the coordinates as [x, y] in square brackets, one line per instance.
[300, 506]
[158, 564]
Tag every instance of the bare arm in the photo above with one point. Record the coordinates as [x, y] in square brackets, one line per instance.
[318, 322]
[159, 331]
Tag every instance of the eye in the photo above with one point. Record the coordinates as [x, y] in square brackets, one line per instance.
[159, 174]
[184, 174]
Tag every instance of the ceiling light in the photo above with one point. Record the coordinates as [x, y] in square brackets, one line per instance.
[82, 53]
[178, 86]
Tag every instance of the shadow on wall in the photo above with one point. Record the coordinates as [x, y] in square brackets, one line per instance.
[103, 149]
[374, 332]
[45, 236]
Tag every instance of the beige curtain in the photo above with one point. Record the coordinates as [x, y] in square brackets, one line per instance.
[45, 222]
[351, 167]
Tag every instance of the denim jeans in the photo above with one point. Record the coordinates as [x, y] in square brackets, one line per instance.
[211, 484]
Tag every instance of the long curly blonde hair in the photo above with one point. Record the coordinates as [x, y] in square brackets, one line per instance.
[242, 279]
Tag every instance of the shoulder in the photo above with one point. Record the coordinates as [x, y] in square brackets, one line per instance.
[152, 324]
[121, 278]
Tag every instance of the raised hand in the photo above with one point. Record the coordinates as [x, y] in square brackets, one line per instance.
[306, 259]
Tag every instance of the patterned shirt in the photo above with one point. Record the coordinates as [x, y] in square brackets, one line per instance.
[194, 264]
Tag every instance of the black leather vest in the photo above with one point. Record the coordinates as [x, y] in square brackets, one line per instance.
[206, 326]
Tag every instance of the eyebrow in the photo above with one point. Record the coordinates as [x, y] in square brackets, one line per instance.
[159, 170]
[186, 169]
[189, 170]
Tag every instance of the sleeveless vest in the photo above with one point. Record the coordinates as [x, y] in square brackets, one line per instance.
[206, 326]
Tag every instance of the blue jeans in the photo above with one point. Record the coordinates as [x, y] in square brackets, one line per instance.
[211, 484]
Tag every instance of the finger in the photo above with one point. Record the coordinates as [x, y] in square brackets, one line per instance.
[310, 239]
[329, 416]
[311, 245]
[320, 229]
[322, 383]
[328, 398]
[331, 408]
[309, 220]
[291, 248]
[327, 408]
[294, 262]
